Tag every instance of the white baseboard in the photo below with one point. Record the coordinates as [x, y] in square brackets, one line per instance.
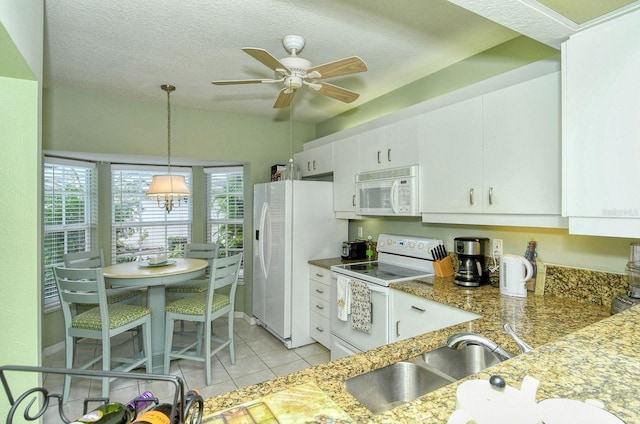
[251, 320]
[53, 348]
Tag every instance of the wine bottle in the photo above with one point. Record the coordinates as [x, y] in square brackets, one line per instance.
[116, 413]
[161, 414]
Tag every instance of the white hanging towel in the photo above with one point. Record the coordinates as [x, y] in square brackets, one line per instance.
[343, 307]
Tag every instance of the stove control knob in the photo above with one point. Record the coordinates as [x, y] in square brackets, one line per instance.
[412, 244]
[420, 246]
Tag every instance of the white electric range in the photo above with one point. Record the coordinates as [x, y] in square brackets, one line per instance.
[400, 258]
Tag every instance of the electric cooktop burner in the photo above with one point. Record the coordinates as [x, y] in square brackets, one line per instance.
[387, 272]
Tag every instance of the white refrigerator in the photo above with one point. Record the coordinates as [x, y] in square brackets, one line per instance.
[294, 222]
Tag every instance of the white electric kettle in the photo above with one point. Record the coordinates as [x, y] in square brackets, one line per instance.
[515, 271]
[493, 402]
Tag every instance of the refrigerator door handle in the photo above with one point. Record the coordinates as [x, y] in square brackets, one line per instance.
[262, 250]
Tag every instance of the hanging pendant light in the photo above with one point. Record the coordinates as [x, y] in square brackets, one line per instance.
[168, 189]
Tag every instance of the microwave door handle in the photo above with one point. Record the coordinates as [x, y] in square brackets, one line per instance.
[394, 193]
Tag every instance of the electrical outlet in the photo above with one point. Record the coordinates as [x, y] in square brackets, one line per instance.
[496, 247]
[360, 232]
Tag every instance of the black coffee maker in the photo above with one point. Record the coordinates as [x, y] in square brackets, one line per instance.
[472, 269]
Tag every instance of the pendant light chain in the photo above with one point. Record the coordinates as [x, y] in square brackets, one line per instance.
[168, 89]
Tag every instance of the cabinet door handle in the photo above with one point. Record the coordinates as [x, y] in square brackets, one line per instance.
[389, 155]
[471, 197]
[378, 156]
[397, 328]
[319, 291]
[353, 200]
[319, 275]
[417, 308]
[308, 166]
[320, 329]
[314, 165]
[491, 195]
[320, 307]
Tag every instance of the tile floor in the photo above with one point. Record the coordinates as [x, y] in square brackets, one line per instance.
[259, 357]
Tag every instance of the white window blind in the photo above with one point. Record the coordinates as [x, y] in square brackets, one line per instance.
[140, 228]
[225, 192]
[70, 215]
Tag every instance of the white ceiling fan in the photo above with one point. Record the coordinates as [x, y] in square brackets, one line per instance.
[294, 72]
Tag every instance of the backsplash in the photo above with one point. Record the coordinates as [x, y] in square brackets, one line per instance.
[584, 285]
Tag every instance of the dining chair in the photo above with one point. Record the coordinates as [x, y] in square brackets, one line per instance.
[206, 251]
[86, 286]
[95, 259]
[203, 309]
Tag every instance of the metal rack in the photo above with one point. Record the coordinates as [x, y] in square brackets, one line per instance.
[187, 406]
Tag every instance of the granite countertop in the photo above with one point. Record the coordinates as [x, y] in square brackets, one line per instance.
[581, 352]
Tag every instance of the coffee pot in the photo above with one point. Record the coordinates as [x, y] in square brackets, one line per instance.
[472, 270]
[494, 402]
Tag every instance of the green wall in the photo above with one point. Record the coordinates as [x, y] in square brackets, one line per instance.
[21, 35]
[554, 245]
[89, 122]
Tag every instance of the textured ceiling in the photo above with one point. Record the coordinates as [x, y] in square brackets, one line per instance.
[129, 48]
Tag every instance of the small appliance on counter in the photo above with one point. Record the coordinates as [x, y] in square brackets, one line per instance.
[623, 301]
[472, 267]
[356, 249]
[515, 271]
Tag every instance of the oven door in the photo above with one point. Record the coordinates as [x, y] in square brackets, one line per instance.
[379, 335]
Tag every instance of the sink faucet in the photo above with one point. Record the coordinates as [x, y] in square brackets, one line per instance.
[460, 340]
[524, 346]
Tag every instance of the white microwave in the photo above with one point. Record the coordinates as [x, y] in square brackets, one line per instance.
[389, 192]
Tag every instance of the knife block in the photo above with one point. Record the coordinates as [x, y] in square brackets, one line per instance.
[444, 267]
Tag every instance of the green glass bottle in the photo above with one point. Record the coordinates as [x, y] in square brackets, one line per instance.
[116, 413]
[110, 413]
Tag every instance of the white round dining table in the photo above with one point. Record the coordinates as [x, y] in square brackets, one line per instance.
[155, 278]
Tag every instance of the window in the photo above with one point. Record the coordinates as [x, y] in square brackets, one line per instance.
[139, 227]
[70, 215]
[225, 188]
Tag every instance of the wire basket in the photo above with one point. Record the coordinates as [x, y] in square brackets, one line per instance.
[34, 402]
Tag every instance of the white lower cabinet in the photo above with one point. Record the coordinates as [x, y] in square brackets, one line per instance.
[413, 315]
[319, 289]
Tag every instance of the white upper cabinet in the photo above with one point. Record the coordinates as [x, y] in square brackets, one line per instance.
[451, 158]
[601, 128]
[315, 161]
[389, 146]
[345, 161]
[521, 145]
[495, 158]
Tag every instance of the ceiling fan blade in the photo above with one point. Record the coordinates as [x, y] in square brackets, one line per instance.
[266, 59]
[334, 91]
[349, 65]
[246, 81]
[284, 99]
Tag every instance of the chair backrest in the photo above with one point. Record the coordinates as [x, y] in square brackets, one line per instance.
[206, 251]
[224, 272]
[91, 259]
[81, 286]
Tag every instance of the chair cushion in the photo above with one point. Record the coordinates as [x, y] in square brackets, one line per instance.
[196, 304]
[115, 298]
[119, 315]
[193, 286]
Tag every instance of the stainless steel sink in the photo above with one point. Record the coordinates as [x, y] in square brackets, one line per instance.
[385, 388]
[460, 363]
